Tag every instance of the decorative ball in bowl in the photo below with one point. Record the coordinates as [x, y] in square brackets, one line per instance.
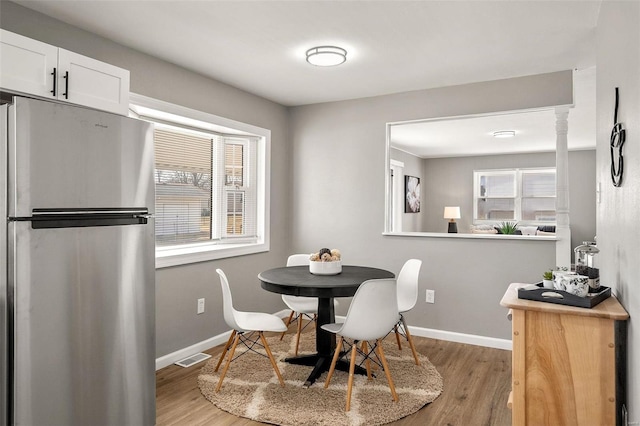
[325, 262]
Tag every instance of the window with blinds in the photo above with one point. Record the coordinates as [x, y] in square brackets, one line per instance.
[211, 178]
[205, 187]
[524, 195]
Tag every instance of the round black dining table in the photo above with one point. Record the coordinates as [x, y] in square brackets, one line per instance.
[298, 281]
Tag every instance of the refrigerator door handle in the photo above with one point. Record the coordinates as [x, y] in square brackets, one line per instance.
[70, 218]
[65, 212]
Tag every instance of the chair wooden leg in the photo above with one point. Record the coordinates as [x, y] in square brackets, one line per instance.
[287, 324]
[224, 351]
[367, 362]
[230, 357]
[395, 329]
[336, 355]
[394, 395]
[352, 367]
[270, 355]
[298, 333]
[410, 339]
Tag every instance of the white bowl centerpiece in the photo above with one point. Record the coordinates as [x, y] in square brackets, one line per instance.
[325, 262]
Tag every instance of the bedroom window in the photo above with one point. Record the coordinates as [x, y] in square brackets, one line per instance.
[210, 176]
[527, 196]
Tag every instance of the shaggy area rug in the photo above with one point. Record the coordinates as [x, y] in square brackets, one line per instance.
[251, 388]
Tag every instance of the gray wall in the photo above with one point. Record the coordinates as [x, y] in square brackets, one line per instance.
[618, 226]
[178, 288]
[449, 182]
[346, 211]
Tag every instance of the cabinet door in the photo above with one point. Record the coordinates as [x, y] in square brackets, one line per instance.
[27, 65]
[89, 82]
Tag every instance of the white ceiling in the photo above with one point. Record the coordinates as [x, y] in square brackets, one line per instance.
[394, 46]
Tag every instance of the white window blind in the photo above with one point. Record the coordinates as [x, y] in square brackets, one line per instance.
[539, 195]
[183, 187]
[524, 195]
[496, 195]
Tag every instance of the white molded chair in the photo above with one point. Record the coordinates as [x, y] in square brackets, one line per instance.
[245, 325]
[372, 313]
[407, 298]
[300, 305]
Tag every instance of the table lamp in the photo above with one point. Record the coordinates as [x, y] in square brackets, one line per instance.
[452, 213]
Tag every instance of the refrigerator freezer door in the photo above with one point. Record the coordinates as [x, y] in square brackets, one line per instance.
[62, 156]
[84, 325]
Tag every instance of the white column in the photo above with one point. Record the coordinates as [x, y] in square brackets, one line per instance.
[563, 231]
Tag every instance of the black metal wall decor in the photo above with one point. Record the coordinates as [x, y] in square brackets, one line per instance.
[616, 141]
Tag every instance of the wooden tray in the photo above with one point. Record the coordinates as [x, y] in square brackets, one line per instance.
[589, 301]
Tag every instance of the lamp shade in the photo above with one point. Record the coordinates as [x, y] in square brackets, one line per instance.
[452, 212]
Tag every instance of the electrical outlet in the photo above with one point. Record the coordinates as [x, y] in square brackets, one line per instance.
[200, 306]
[431, 296]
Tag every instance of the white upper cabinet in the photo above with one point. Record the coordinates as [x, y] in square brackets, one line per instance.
[89, 82]
[27, 65]
[32, 67]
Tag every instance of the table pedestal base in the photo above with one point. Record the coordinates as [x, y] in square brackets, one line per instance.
[321, 364]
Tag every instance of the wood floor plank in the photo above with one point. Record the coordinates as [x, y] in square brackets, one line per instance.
[477, 382]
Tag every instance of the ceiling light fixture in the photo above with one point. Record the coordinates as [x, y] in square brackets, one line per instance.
[326, 56]
[504, 134]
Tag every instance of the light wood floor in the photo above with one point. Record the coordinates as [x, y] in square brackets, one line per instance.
[477, 382]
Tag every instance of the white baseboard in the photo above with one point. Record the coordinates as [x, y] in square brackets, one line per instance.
[220, 339]
[469, 339]
[450, 336]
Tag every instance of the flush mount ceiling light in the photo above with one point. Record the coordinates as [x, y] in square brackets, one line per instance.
[504, 134]
[326, 56]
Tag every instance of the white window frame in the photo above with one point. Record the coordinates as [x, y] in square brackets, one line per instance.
[397, 195]
[143, 106]
[247, 187]
[517, 197]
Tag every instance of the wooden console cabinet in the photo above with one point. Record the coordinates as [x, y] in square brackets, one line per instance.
[568, 363]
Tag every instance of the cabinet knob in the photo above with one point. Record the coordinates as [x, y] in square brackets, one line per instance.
[611, 345]
[516, 333]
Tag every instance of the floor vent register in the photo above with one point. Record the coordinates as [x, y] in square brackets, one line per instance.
[192, 360]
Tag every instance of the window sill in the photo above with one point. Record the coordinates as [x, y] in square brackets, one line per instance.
[472, 236]
[166, 258]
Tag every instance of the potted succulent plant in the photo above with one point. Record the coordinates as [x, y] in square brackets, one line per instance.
[508, 228]
[547, 279]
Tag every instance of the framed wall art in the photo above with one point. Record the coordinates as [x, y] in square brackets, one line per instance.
[412, 194]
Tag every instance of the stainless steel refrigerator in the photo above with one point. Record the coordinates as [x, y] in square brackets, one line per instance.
[77, 297]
